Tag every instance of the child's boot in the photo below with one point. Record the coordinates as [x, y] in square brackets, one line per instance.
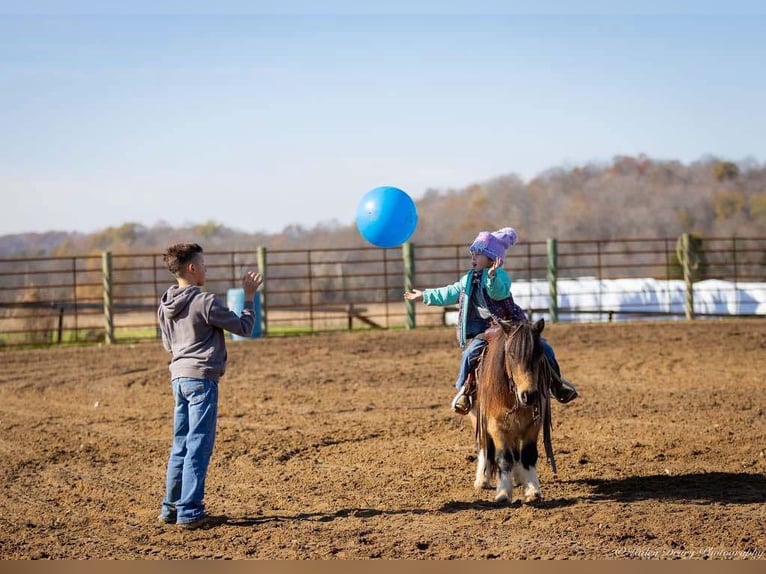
[461, 404]
[563, 390]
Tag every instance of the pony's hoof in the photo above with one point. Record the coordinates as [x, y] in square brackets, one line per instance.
[534, 497]
[502, 498]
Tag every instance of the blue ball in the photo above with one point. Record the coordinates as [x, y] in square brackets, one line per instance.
[386, 216]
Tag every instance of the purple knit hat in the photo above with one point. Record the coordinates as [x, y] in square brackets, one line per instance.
[494, 244]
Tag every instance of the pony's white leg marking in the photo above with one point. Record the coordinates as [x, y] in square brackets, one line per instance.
[532, 485]
[517, 474]
[482, 480]
[504, 491]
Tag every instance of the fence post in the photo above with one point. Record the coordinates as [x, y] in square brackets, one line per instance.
[261, 256]
[553, 294]
[685, 258]
[409, 272]
[60, 333]
[106, 272]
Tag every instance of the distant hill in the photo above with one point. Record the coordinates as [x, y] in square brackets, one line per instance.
[34, 244]
[628, 197]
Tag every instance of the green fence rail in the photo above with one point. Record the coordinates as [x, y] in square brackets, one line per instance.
[112, 297]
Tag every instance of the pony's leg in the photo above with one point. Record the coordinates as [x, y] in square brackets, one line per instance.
[504, 460]
[528, 472]
[517, 472]
[532, 487]
[482, 472]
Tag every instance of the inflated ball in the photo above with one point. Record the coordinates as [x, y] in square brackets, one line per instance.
[386, 216]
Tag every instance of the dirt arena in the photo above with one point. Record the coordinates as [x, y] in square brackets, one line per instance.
[343, 446]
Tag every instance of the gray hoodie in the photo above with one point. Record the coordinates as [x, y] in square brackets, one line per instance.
[192, 324]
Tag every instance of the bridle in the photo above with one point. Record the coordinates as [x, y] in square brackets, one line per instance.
[509, 335]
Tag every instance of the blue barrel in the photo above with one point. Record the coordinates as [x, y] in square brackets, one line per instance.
[235, 300]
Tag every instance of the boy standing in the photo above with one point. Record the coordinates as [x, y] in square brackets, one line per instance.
[192, 324]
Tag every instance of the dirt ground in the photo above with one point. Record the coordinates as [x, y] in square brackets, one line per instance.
[343, 446]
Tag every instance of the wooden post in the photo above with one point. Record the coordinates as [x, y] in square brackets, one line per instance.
[553, 294]
[409, 272]
[60, 335]
[261, 255]
[685, 259]
[106, 272]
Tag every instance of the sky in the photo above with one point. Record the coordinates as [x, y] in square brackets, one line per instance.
[261, 115]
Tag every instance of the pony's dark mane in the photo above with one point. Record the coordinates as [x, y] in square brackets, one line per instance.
[494, 359]
[522, 344]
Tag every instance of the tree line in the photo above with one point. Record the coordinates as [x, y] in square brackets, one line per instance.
[627, 197]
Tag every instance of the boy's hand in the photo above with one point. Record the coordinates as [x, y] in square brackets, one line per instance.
[251, 281]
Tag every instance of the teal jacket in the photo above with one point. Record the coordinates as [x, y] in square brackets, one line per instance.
[497, 287]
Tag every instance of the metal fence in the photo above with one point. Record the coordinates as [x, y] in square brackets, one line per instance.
[106, 297]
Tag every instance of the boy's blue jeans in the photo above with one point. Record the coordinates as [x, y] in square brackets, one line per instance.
[473, 351]
[194, 423]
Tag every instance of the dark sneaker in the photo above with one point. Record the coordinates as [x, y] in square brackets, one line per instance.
[564, 393]
[203, 521]
[461, 404]
[166, 519]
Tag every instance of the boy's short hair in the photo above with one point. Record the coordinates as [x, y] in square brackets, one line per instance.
[179, 255]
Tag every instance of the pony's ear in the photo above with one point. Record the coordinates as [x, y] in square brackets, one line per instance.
[539, 326]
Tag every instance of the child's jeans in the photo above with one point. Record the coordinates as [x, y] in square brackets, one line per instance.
[473, 351]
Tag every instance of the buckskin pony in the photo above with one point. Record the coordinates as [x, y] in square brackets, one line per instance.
[512, 405]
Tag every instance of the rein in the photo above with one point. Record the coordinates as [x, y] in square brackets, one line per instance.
[545, 402]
